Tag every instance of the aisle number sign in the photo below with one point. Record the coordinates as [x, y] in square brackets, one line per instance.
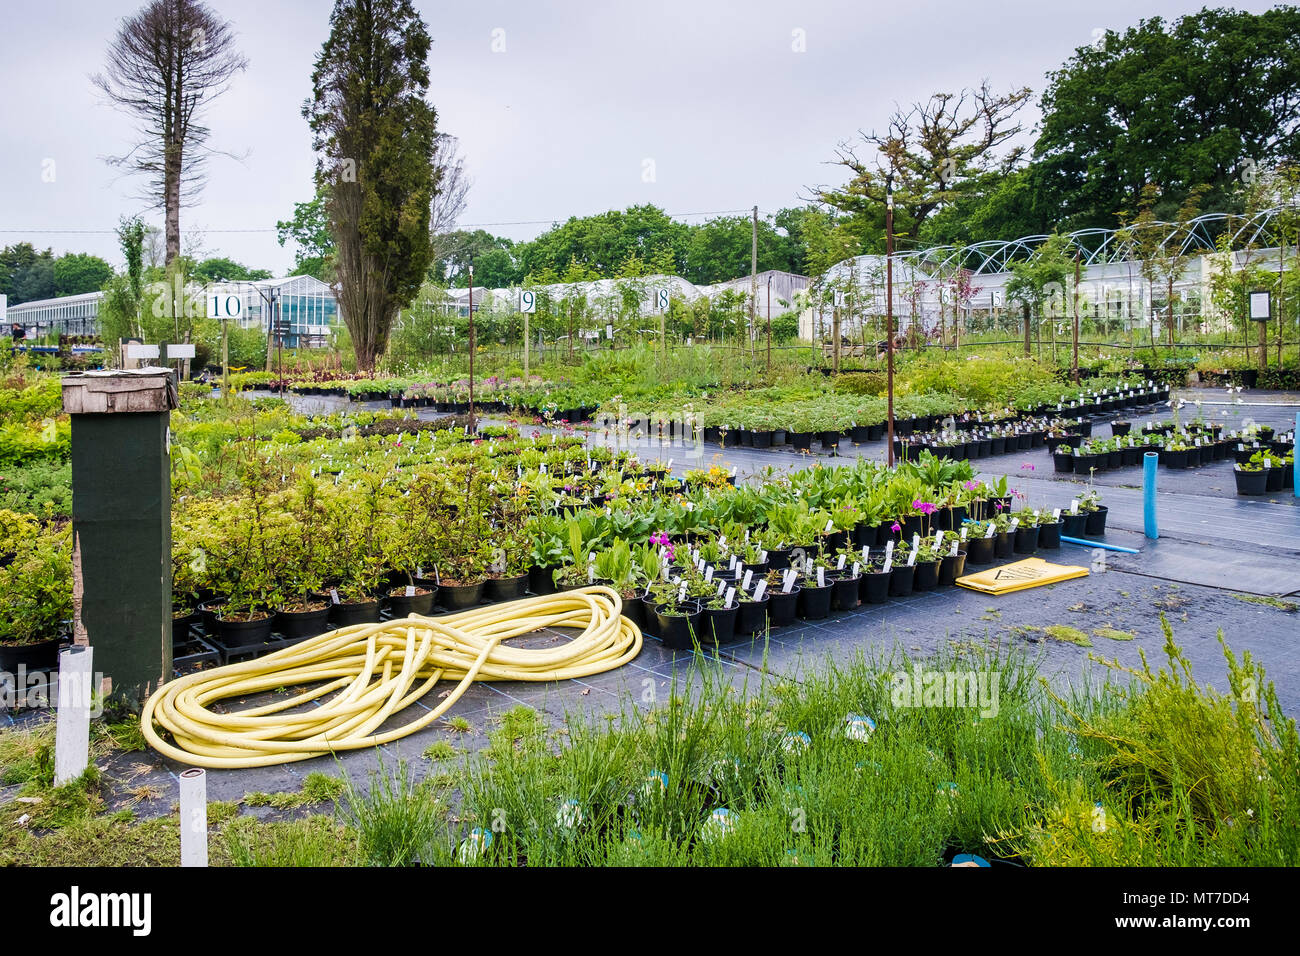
[661, 300]
[527, 301]
[224, 306]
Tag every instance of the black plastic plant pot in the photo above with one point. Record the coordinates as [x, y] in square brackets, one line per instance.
[951, 568]
[541, 580]
[295, 624]
[258, 631]
[1115, 458]
[980, 550]
[874, 587]
[836, 540]
[779, 558]
[815, 602]
[679, 624]
[760, 568]
[354, 612]
[505, 589]
[1096, 526]
[1119, 429]
[752, 618]
[876, 432]
[402, 606]
[634, 610]
[720, 623]
[208, 612]
[459, 597]
[650, 625]
[911, 526]
[845, 594]
[900, 580]
[953, 517]
[1132, 456]
[1026, 540]
[783, 606]
[746, 438]
[859, 434]
[998, 445]
[1063, 462]
[1049, 535]
[802, 441]
[762, 439]
[1074, 526]
[1174, 458]
[927, 575]
[1274, 478]
[1004, 545]
[43, 655]
[181, 626]
[864, 535]
[830, 440]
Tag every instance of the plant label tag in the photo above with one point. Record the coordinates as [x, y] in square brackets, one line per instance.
[334, 595]
[808, 565]
[722, 585]
[866, 554]
[993, 529]
[829, 525]
[663, 571]
[857, 569]
[1074, 506]
[681, 593]
[839, 565]
[911, 558]
[739, 569]
[744, 582]
[731, 562]
[889, 564]
[1014, 523]
[731, 597]
[963, 532]
[708, 575]
[762, 557]
[591, 574]
[952, 552]
[916, 541]
[1268, 463]
[670, 464]
[821, 577]
[733, 471]
[541, 469]
[938, 538]
[760, 590]
[889, 548]
[787, 582]
[410, 590]
[1056, 514]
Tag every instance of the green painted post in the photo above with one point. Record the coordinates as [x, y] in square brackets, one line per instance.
[121, 524]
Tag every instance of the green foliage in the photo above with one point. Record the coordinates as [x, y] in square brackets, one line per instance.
[36, 585]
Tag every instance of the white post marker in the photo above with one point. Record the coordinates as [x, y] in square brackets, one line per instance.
[194, 817]
[72, 732]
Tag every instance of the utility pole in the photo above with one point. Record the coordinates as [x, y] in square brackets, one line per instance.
[889, 307]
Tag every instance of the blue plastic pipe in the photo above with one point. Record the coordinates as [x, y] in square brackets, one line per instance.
[1149, 462]
[1098, 544]
[1295, 487]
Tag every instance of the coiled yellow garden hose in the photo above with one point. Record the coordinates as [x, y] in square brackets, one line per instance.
[378, 669]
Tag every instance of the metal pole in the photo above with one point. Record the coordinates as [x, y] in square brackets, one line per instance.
[471, 345]
[753, 279]
[72, 729]
[1074, 365]
[889, 307]
[769, 325]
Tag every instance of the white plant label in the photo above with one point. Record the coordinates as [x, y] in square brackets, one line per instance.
[821, 577]
[722, 585]
[334, 595]
[731, 596]
[829, 525]
[839, 565]
[739, 569]
[938, 538]
[762, 557]
[889, 549]
[952, 552]
[787, 582]
[708, 575]
[991, 532]
[760, 590]
[963, 532]
[744, 582]
[916, 541]
[911, 559]
[857, 569]
[410, 590]
[866, 551]
[1014, 523]
[1056, 514]
[731, 563]
[681, 594]
[1074, 506]
[889, 564]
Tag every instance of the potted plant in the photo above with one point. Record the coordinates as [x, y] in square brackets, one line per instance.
[815, 598]
[35, 592]
[1090, 503]
[1250, 476]
[784, 602]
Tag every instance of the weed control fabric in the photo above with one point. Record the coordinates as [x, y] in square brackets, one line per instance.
[374, 671]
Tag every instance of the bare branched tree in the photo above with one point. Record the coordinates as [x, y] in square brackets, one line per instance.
[166, 63]
[453, 185]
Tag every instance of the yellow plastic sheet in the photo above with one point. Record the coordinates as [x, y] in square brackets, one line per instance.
[1019, 575]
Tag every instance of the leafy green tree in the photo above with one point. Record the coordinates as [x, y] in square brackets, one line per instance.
[720, 249]
[309, 229]
[374, 134]
[493, 256]
[605, 241]
[1209, 99]
[1038, 282]
[78, 272]
[219, 267]
[119, 313]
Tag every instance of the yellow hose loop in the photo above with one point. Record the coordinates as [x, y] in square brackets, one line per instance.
[374, 671]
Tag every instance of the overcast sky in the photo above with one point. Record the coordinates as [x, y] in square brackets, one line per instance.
[565, 120]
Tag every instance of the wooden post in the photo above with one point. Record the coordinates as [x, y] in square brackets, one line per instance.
[121, 525]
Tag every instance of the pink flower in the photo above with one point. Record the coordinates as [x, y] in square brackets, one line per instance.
[1027, 466]
[895, 527]
[971, 485]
